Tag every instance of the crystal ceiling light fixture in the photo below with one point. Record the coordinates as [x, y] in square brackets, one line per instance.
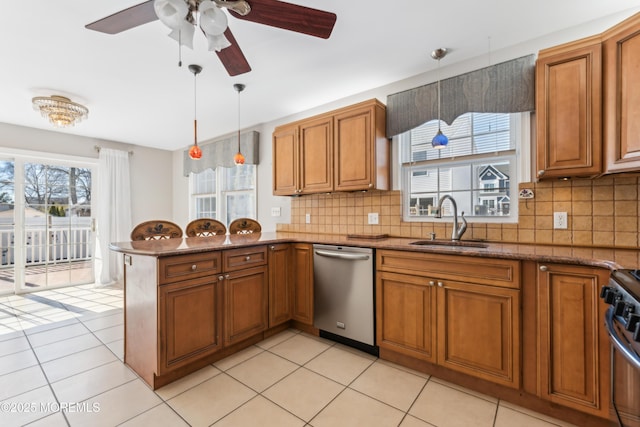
[440, 140]
[182, 16]
[59, 110]
[195, 152]
[238, 159]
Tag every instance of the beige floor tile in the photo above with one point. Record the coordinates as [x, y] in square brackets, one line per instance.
[39, 402]
[262, 412]
[300, 349]
[239, 357]
[507, 417]
[77, 362]
[15, 361]
[389, 385]
[104, 322]
[340, 365]
[410, 421]
[117, 348]
[447, 407]
[53, 420]
[52, 325]
[277, 339]
[92, 382]
[552, 421]
[21, 381]
[7, 333]
[114, 406]
[159, 416]
[262, 371]
[354, 409]
[404, 368]
[58, 334]
[465, 390]
[66, 347]
[303, 393]
[206, 403]
[14, 345]
[183, 384]
[111, 334]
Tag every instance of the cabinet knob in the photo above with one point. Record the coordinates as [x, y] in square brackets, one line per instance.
[440, 284]
[273, 248]
[370, 185]
[543, 268]
[221, 278]
[248, 258]
[194, 267]
[540, 172]
[432, 283]
[226, 276]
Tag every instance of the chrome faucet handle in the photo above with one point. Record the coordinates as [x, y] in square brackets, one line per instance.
[463, 226]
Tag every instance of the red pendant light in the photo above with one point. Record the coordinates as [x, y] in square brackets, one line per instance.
[195, 152]
[238, 159]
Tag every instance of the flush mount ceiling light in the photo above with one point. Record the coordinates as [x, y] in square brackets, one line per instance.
[182, 17]
[440, 140]
[59, 110]
[195, 152]
[238, 159]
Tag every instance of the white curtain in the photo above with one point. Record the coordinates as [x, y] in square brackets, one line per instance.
[114, 211]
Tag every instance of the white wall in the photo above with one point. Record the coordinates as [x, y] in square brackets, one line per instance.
[266, 200]
[151, 185]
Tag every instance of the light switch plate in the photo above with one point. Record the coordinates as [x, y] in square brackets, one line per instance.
[373, 218]
[275, 211]
[307, 218]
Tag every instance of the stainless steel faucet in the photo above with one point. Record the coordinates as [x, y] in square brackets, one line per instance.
[457, 232]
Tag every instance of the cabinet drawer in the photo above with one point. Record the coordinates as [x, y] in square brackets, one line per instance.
[184, 267]
[239, 259]
[488, 271]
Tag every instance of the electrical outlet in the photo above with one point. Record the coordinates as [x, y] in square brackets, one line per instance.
[307, 218]
[373, 218]
[560, 220]
[275, 211]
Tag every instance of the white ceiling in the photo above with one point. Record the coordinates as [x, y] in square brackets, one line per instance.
[137, 94]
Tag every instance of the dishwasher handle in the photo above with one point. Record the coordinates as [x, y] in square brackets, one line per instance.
[339, 255]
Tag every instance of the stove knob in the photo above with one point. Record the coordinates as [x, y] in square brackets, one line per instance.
[608, 294]
[632, 321]
[605, 290]
[636, 333]
[619, 308]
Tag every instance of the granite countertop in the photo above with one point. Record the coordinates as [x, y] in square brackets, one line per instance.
[590, 256]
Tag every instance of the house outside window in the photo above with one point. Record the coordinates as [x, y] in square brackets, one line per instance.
[224, 194]
[478, 168]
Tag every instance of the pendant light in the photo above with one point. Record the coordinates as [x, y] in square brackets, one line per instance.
[238, 159]
[195, 152]
[440, 140]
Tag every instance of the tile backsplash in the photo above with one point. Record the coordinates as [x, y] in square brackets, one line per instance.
[601, 212]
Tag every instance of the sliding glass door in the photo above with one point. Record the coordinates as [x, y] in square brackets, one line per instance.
[46, 225]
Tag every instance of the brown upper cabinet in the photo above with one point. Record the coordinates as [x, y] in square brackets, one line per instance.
[622, 96]
[587, 102]
[569, 110]
[343, 150]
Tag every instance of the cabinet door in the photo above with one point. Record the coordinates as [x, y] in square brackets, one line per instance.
[354, 150]
[569, 111]
[279, 278]
[479, 331]
[302, 283]
[189, 321]
[285, 161]
[316, 156]
[246, 299]
[622, 96]
[406, 315]
[574, 349]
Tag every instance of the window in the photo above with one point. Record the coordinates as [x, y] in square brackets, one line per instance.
[224, 194]
[478, 168]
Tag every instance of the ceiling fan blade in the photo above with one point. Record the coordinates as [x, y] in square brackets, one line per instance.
[125, 19]
[291, 17]
[232, 57]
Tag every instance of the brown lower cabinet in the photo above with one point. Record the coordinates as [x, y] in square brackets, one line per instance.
[427, 310]
[573, 354]
[302, 302]
[280, 272]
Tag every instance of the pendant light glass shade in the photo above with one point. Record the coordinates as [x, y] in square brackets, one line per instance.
[195, 152]
[238, 159]
[440, 140]
[213, 22]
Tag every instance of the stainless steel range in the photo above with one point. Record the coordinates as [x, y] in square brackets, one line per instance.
[622, 321]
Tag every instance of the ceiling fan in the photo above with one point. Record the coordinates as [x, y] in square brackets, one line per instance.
[274, 13]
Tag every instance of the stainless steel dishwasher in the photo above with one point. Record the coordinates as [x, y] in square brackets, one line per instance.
[344, 295]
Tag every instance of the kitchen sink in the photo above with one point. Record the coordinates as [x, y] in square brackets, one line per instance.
[463, 243]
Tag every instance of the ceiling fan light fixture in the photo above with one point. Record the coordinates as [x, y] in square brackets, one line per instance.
[218, 42]
[213, 20]
[172, 13]
[184, 35]
[60, 110]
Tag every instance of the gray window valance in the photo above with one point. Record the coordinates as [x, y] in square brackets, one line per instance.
[508, 87]
[221, 152]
